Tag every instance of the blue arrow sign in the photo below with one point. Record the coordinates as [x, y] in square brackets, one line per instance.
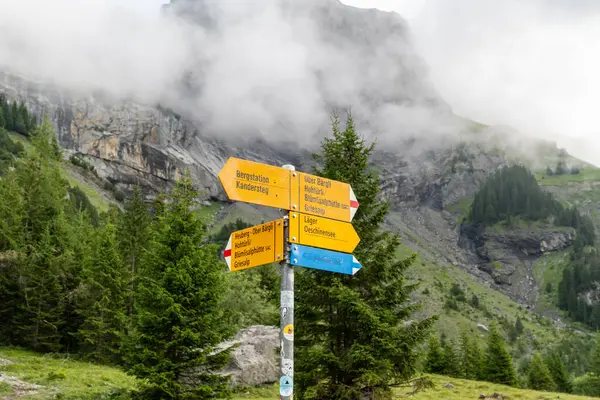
[325, 260]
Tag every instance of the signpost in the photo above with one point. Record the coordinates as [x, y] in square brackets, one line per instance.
[316, 234]
[256, 183]
[267, 185]
[255, 246]
[326, 198]
[322, 232]
[325, 260]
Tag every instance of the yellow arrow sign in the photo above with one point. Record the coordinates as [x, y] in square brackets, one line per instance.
[271, 186]
[322, 232]
[256, 183]
[255, 246]
[326, 198]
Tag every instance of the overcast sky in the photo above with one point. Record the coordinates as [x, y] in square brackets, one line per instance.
[533, 64]
[529, 64]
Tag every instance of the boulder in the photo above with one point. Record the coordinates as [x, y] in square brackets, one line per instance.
[255, 359]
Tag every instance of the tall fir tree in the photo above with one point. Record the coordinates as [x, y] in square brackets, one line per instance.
[103, 299]
[558, 372]
[352, 343]
[499, 366]
[595, 361]
[178, 321]
[471, 357]
[434, 362]
[451, 360]
[8, 117]
[134, 225]
[538, 375]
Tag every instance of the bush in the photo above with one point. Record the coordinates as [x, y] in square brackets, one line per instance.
[587, 385]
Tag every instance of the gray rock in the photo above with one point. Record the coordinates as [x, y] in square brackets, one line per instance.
[254, 358]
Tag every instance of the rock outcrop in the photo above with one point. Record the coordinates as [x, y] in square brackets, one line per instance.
[507, 255]
[254, 358]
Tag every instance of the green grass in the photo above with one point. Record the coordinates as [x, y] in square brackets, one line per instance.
[462, 389]
[444, 388]
[100, 203]
[519, 224]
[72, 379]
[548, 270]
[97, 201]
[5, 389]
[585, 175]
[264, 393]
[17, 137]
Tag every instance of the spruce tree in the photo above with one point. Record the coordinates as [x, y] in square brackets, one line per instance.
[178, 321]
[498, 362]
[519, 326]
[471, 357]
[103, 305]
[2, 120]
[133, 229]
[595, 361]
[538, 376]
[434, 363]
[8, 117]
[351, 340]
[451, 360]
[559, 373]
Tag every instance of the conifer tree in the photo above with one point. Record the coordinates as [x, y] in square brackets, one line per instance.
[134, 226]
[471, 357]
[351, 341]
[19, 121]
[519, 326]
[8, 117]
[498, 362]
[538, 376]
[103, 306]
[434, 363]
[595, 361]
[12, 254]
[2, 120]
[178, 321]
[558, 373]
[451, 359]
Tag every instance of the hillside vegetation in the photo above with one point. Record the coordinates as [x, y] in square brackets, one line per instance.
[114, 283]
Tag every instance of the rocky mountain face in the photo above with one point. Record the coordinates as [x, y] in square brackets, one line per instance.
[131, 143]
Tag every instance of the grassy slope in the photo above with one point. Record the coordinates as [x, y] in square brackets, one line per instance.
[77, 177]
[457, 389]
[72, 379]
[83, 381]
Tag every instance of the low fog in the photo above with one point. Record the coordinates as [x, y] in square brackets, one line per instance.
[263, 71]
[530, 64]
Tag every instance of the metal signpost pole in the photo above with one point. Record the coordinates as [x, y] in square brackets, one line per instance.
[286, 308]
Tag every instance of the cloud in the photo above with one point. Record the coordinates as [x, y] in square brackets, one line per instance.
[260, 70]
[531, 64]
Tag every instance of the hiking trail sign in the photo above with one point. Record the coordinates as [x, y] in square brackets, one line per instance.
[255, 246]
[267, 185]
[316, 233]
[320, 232]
